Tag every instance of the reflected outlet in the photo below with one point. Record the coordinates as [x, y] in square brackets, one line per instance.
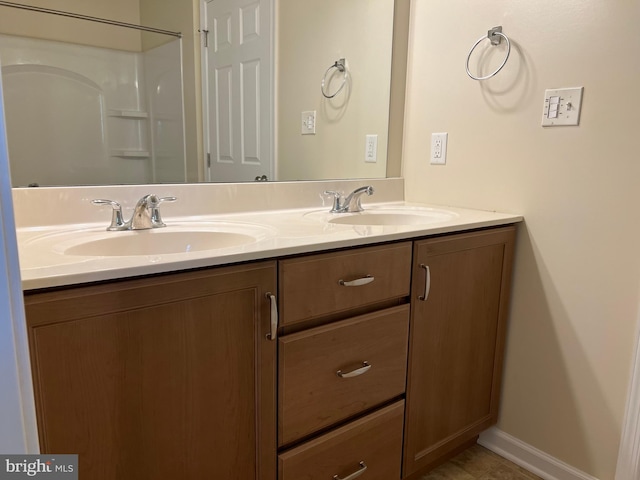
[439, 148]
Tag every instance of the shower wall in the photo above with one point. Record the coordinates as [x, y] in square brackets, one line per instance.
[79, 115]
[164, 96]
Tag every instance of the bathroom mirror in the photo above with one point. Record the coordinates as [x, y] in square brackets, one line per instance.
[143, 138]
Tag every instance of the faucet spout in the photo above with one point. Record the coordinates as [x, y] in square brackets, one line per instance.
[352, 202]
[142, 213]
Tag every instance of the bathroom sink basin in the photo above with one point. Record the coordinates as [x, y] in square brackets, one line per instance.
[158, 242]
[384, 216]
[177, 238]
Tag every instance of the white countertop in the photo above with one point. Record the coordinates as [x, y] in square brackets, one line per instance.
[277, 233]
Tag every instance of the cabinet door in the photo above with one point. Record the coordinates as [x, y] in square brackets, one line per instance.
[159, 378]
[459, 308]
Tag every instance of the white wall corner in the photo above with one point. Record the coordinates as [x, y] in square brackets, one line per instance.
[530, 458]
[628, 467]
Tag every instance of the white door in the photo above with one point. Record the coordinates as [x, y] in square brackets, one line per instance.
[238, 86]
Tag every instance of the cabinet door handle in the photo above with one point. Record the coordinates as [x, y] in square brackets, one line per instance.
[274, 316]
[363, 468]
[358, 281]
[427, 282]
[354, 373]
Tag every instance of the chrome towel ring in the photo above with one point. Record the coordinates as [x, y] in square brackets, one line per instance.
[495, 35]
[341, 66]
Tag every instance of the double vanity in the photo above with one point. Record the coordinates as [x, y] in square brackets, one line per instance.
[258, 341]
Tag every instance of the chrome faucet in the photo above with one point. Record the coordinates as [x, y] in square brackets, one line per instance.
[351, 203]
[146, 213]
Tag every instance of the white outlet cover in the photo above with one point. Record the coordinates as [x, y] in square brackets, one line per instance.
[308, 126]
[371, 149]
[438, 150]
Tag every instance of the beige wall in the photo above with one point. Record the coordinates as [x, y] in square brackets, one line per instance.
[182, 16]
[331, 31]
[575, 296]
[39, 25]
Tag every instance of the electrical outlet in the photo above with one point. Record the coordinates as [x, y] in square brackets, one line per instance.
[371, 149]
[308, 123]
[439, 148]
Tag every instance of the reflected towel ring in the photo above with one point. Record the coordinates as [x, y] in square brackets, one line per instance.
[495, 35]
[341, 66]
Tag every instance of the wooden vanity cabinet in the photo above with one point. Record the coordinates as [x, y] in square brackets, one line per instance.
[388, 359]
[459, 306]
[168, 377]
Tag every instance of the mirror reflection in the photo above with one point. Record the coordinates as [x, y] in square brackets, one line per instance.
[88, 103]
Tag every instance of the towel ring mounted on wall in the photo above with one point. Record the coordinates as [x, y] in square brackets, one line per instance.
[495, 35]
[341, 66]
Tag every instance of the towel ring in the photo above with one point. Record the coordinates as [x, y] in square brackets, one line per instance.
[341, 66]
[495, 35]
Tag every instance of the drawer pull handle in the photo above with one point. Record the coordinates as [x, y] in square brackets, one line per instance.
[363, 468]
[427, 282]
[354, 373]
[358, 281]
[274, 316]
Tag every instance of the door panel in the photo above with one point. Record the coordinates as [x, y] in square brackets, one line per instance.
[238, 83]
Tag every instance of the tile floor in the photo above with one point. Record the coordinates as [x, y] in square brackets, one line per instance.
[478, 463]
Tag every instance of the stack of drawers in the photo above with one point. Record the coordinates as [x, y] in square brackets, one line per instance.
[342, 372]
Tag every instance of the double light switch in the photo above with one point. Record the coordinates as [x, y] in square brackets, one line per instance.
[554, 104]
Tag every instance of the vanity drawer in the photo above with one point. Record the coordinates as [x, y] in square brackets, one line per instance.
[312, 395]
[373, 442]
[317, 285]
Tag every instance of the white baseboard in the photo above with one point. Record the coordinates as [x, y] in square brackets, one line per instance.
[529, 458]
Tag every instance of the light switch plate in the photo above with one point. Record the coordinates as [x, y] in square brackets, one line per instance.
[562, 107]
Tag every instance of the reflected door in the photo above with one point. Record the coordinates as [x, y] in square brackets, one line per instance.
[238, 69]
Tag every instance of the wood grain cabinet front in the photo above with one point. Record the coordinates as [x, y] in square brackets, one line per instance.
[370, 447]
[329, 283]
[167, 377]
[330, 373]
[458, 320]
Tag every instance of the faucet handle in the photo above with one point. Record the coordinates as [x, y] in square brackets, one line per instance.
[117, 221]
[337, 196]
[156, 218]
[102, 201]
[333, 193]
